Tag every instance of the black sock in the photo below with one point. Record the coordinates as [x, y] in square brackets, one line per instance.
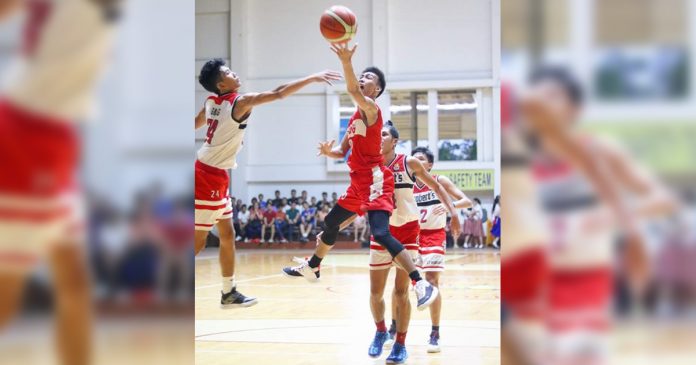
[393, 323]
[436, 328]
[414, 275]
[314, 261]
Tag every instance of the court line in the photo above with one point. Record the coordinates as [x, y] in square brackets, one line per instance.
[242, 281]
[332, 300]
[304, 327]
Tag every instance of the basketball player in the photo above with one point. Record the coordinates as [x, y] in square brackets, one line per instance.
[371, 183]
[404, 226]
[587, 187]
[226, 114]
[431, 210]
[50, 89]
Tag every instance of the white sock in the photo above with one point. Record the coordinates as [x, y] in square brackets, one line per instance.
[227, 284]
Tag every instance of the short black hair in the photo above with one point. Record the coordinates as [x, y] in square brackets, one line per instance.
[380, 74]
[561, 75]
[210, 75]
[392, 129]
[477, 200]
[426, 151]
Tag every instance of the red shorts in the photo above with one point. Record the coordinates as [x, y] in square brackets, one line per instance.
[39, 193]
[212, 196]
[523, 282]
[431, 250]
[407, 234]
[369, 190]
[580, 298]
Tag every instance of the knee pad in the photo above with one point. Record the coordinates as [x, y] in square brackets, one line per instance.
[330, 234]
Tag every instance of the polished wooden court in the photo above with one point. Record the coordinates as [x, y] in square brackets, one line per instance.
[297, 322]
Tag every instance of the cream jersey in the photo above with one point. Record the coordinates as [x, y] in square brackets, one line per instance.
[427, 201]
[405, 205]
[66, 44]
[580, 224]
[225, 135]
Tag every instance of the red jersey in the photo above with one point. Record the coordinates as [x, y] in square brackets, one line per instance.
[269, 215]
[365, 142]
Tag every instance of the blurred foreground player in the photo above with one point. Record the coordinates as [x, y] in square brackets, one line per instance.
[590, 191]
[226, 114]
[48, 91]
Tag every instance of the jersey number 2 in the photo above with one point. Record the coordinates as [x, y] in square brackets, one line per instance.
[423, 213]
[212, 126]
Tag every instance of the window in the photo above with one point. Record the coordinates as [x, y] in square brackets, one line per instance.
[526, 19]
[346, 110]
[456, 126]
[647, 56]
[413, 127]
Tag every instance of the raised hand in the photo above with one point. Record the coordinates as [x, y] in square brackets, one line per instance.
[344, 53]
[327, 76]
[325, 148]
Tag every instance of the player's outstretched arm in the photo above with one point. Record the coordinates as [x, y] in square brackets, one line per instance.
[365, 104]
[200, 118]
[249, 100]
[422, 174]
[327, 149]
[7, 7]
[462, 200]
[557, 137]
[653, 198]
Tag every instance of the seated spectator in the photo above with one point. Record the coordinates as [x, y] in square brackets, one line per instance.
[253, 230]
[307, 222]
[321, 215]
[293, 215]
[277, 200]
[242, 221]
[360, 225]
[269, 215]
[281, 224]
[293, 197]
[334, 198]
[262, 203]
[313, 202]
[284, 205]
[304, 197]
[324, 200]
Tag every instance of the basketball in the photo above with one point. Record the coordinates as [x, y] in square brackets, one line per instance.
[338, 24]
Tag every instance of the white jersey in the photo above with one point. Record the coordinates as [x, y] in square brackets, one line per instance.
[225, 135]
[580, 224]
[405, 205]
[427, 201]
[66, 44]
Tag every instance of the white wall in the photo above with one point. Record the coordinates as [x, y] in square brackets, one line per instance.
[453, 42]
[142, 132]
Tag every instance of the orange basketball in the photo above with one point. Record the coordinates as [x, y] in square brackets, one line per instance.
[338, 24]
